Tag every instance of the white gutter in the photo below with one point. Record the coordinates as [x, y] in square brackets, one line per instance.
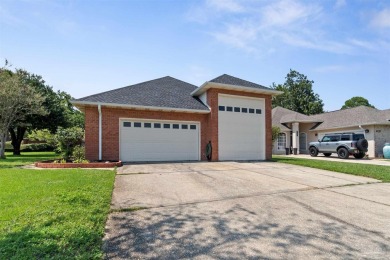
[153, 108]
[100, 131]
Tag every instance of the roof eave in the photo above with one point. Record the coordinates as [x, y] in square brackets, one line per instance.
[301, 121]
[207, 85]
[81, 105]
[349, 126]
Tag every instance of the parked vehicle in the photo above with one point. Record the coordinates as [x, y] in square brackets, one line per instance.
[344, 144]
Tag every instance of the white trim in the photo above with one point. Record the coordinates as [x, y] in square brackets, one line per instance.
[153, 108]
[100, 131]
[207, 85]
[198, 123]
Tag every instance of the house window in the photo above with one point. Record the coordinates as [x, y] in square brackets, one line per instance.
[157, 125]
[251, 111]
[237, 109]
[184, 126]
[126, 124]
[229, 109]
[221, 108]
[258, 111]
[147, 125]
[281, 141]
[244, 110]
[175, 126]
[167, 126]
[137, 124]
[193, 127]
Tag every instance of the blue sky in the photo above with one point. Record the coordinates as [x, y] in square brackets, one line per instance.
[86, 47]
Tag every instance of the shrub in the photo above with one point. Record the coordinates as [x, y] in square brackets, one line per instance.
[78, 154]
[67, 139]
[36, 147]
[42, 136]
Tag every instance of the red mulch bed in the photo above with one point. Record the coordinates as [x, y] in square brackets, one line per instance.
[51, 164]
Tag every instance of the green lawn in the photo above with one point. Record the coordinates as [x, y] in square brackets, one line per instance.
[374, 171]
[57, 214]
[26, 158]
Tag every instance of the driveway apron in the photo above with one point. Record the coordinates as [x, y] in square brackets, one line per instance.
[230, 210]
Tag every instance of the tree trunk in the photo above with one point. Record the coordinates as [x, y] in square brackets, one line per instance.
[17, 138]
[2, 145]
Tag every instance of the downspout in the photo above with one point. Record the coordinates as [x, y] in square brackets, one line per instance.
[100, 131]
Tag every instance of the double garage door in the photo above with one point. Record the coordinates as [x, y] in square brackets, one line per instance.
[154, 140]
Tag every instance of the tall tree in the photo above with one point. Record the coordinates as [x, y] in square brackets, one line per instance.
[18, 101]
[355, 102]
[60, 111]
[298, 95]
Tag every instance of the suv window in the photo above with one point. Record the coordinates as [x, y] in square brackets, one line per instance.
[356, 137]
[346, 138]
[331, 138]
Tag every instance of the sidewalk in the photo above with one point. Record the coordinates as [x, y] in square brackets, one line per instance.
[334, 158]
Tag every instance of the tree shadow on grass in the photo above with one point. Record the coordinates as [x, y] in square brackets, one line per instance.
[235, 232]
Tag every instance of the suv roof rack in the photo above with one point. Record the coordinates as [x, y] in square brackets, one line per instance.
[341, 133]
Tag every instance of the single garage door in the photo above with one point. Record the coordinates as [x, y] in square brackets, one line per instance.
[241, 128]
[153, 140]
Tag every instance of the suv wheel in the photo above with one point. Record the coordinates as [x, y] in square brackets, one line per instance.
[327, 154]
[313, 151]
[359, 155]
[343, 153]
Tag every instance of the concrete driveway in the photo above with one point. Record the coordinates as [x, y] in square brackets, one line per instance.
[231, 210]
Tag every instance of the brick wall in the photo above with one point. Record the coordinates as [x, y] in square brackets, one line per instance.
[209, 125]
[110, 128]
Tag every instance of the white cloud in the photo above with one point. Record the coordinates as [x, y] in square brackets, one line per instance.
[381, 19]
[340, 3]
[257, 26]
[285, 12]
[225, 5]
[239, 35]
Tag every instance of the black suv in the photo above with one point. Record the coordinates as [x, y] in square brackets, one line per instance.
[343, 144]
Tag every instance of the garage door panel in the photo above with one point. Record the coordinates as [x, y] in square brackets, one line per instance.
[241, 136]
[159, 144]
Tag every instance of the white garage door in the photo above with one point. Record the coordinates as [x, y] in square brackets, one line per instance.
[241, 128]
[152, 140]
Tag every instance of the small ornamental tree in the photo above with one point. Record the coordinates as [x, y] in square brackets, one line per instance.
[67, 139]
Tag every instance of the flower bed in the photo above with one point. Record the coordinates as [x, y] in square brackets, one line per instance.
[52, 164]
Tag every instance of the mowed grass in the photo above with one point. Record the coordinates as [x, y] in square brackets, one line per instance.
[56, 214]
[26, 158]
[373, 171]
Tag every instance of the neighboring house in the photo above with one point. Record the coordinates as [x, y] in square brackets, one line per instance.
[297, 130]
[167, 119]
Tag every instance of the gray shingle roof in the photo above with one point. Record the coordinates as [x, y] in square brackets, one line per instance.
[230, 80]
[282, 115]
[163, 92]
[352, 117]
[356, 116]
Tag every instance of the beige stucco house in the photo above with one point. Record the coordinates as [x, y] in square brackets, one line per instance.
[298, 130]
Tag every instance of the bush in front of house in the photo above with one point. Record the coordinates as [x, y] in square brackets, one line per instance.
[78, 155]
[67, 139]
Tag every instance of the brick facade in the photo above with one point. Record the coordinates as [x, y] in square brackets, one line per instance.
[208, 122]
